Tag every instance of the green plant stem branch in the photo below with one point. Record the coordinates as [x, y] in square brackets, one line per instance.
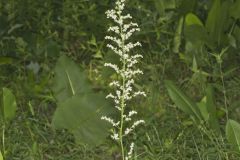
[122, 122]
[3, 140]
[214, 139]
[224, 90]
[122, 97]
[122, 113]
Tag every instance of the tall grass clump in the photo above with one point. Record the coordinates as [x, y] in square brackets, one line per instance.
[123, 87]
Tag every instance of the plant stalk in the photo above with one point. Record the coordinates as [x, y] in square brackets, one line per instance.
[3, 140]
[122, 101]
[224, 91]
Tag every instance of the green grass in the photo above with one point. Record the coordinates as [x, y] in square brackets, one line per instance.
[167, 135]
[41, 32]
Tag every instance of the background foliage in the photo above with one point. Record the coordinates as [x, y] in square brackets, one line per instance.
[45, 46]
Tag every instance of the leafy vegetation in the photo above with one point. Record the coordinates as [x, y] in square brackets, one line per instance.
[53, 80]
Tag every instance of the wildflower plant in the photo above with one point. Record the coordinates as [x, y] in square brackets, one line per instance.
[124, 90]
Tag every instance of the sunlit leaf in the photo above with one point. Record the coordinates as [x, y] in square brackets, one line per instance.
[192, 19]
[9, 104]
[232, 133]
[1, 157]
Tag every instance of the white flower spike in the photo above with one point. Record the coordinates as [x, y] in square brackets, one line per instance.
[119, 43]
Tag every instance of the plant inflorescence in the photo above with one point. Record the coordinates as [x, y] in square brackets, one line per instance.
[124, 89]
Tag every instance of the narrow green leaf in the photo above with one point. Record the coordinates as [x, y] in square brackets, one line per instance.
[14, 27]
[232, 40]
[182, 101]
[178, 35]
[203, 109]
[233, 134]
[9, 104]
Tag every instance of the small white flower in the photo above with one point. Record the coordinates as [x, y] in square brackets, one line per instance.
[113, 66]
[135, 124]
[139, 93]
[131, 149]
[130, 46]
[130, 32]
[128, 16]
[115, 136]
[129, 155]
[110, 96]
[115, 124]
[114, 39]
[114, 29]
[114, 83]
[127, 26]
[131, 113]
[115, 49]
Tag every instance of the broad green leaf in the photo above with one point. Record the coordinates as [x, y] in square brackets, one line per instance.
[192, 19]
[81, 115]
[69, 80]
[196, 34]
[233, 134]
[218, 21]
[211, 108]
[1, 156]
[182, 101]
[9, 104]
[235, 9]
[213, 14]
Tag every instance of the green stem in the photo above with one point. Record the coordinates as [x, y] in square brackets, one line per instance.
[224, 90]
[3, 140]
[122, 113]
[122, 103]
[122, 96]
[121, 127]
